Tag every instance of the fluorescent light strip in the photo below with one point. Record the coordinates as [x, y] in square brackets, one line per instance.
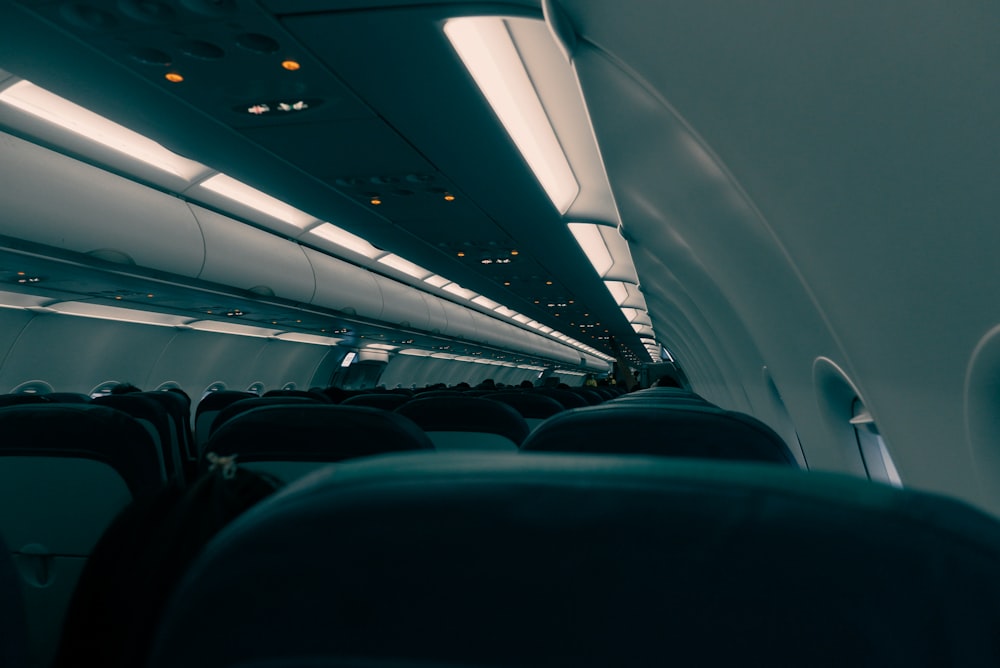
[592, 242]
[505, 312]
[485, 302]
[345, 239]
[380, 346]
[315, 339]
[437, 281]
[17, 300]
[59, 111]
[626, 295]
[103, 312]
[239, 192]
[459, 291]
[405, 266]
[488, 52]
[233, 328]
[415, 352]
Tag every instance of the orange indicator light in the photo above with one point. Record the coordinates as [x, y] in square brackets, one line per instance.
[291, 65]
[173, 77]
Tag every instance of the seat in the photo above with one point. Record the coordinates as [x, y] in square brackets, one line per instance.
[590, 396]
[178, 407]
[534, 408]
[474, 559]
[292, 439]
[65, 471]
[387, 401]
[244, 405]
[154, 419]
[13, 626]
[567, 398]
[304, 394]
[703, 432]
[467, 423]
[209, 407]
[68, 397]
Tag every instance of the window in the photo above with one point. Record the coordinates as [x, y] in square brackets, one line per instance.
[32, 387]
[256, 388]
[214, 387]
[874, 454]
[104, 389]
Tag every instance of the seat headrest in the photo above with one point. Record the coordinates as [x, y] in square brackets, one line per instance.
[529, 404]
[244, 405]
[214, 401]
[704, 432]
[556, 560]
[462, 413]
[388, 401]
[307, 431]
[86, 431]
[565, 397]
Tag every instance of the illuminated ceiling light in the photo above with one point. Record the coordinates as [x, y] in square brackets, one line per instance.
[607, 251]
[488, 52]
[381, 346]
[636, 316]
[233, 328]
[58, 111]
[449, 198]
[173, 77]
[506, 283]
[16, 300]
[119, 314]
[486, 303]
[514, 252]
[459, 291]
[643, 329]
[375, 201]
[545, 330]
[505, 312]
[239, 192]
[291, 65]
[522, 318]
[626, 295]
[345, 239]
[405, 266]
[460, 254]
[415, 352]
[437, 281]
[314, 339]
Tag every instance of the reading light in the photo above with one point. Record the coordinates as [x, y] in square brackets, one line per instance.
[173, 77]
[488, 52]
[345, 239]
[291, 65]
[449, 198]
[241, 193]
[58, 111]
[375, 201]
[405, 266]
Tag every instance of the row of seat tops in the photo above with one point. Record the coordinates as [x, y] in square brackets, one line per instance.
[477, 559]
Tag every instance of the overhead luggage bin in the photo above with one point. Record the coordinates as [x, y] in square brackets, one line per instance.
[51, 199]
[344, 287]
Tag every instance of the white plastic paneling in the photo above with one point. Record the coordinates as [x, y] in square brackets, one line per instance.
[403, 305]
[460, 322]
[51, 199]
[245, 257]
[344, 287]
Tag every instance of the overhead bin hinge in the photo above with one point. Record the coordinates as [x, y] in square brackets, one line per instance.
[561, 27]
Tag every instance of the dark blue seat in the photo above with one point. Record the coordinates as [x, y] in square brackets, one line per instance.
[13, 626]
[243, 405]
[156, 420]
[703, 432]
[66, 470]
[387, 401]
[291, 439]
[467, 423]
[534, 408]
[209, 407]
[555, 560]
[567, 398]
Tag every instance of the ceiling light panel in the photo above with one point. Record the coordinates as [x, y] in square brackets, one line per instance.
[60, 112]
[314, 339]
[233, 328]
[241, 193]
[102, 312]
[346, 240]
[459, 291]
[405, 266]
[485, 46]
[607, 251]
[626, 295]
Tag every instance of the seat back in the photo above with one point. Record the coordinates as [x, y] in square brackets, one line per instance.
[208, 409]
[534, 408]
[467, 423]
[567, 398]
[154, 419]
[65, 471]
[387, 401]
[556, 560]
[13, 626]
[293, 439]
[178, 407]
[703, 432]
[244, 405]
